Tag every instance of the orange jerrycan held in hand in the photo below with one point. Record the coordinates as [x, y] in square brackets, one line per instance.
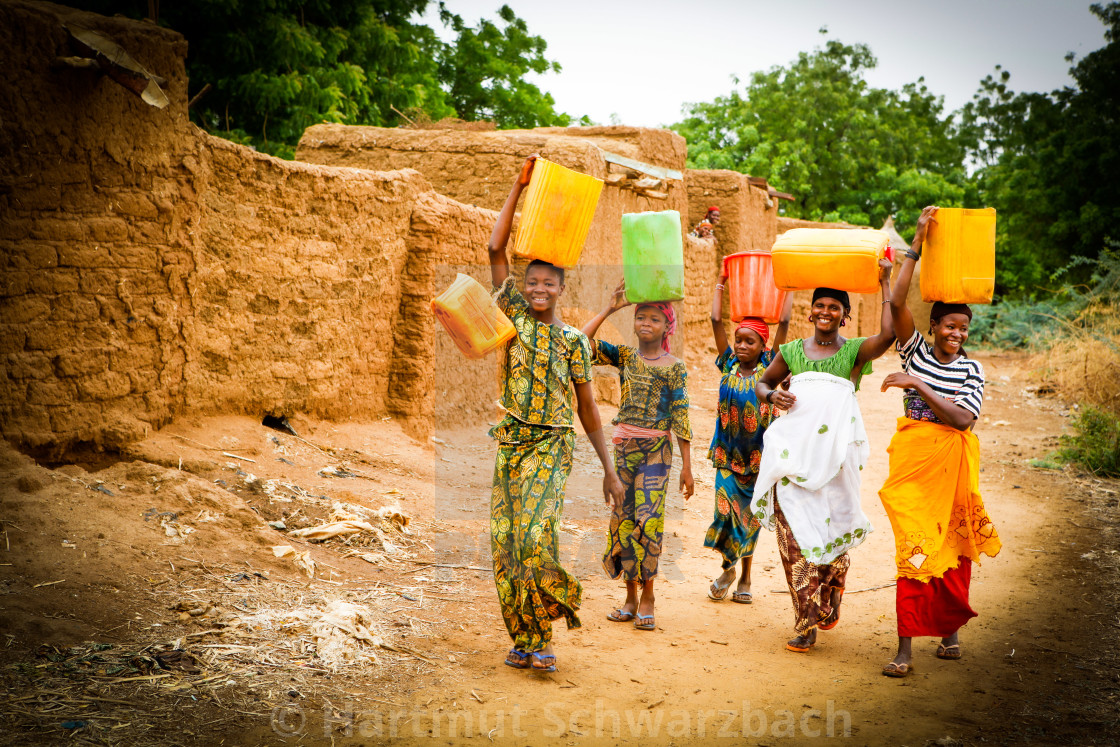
[750, 283]
[472, 317]
[846, 259]
[959, 256]
[556, 216]
[653, 256]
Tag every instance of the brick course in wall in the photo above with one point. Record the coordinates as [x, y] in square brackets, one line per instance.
[151, 270]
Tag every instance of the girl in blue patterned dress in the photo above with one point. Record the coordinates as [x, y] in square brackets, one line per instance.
[653, 407]
[737, 442]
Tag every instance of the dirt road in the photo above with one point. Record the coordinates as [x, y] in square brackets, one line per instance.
[178, 523]
[720, 670]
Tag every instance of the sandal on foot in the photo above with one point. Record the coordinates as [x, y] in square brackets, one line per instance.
[641, 624]
[742, 597]
[620, 616]
[951, 652]
[835, 616]
[517, 659]
[717, 593]
[543, 662]
[897, 670]
[801, 644]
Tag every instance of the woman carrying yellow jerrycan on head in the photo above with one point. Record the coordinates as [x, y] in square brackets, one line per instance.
[653, 408]
[535, 442]
[931, 495]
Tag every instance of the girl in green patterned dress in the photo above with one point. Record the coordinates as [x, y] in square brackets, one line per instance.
[653, 406]
[535, 442]
[737, 442]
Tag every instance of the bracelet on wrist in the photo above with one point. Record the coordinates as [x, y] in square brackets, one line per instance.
[913, 254]
[770, 396]
[720, 286]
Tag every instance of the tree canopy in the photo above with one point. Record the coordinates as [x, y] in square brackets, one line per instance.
[1049, 163]
[279, 66]
[846, 150]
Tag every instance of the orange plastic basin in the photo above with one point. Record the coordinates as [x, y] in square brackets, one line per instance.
[959, 256]
[751, 287]
[471, 317]
[842, 258]
[556, 216]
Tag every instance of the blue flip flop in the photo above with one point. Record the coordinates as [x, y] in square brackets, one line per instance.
[541, 658]
[640, 623]
[517, 659]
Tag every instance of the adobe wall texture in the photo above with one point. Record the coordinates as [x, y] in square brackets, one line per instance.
[479, 168]
[149, 270]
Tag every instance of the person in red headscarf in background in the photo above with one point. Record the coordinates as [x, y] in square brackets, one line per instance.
[652, 409]
[736, 449]
[705, 228]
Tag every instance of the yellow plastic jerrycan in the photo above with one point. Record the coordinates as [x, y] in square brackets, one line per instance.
[842, 258]
[471, 317]
[556, 216]
[959, 256]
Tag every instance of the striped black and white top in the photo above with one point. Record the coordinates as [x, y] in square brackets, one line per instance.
[961, 381]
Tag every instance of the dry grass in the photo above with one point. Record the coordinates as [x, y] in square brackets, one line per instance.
[1083, 364]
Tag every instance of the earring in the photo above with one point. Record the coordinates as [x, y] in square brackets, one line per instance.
[843, 322]
[810, 319]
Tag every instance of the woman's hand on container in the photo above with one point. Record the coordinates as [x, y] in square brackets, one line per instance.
[527, 170]
[900, 380]
[618, 298]
[723, 272]
[923, 226]
[885, 267]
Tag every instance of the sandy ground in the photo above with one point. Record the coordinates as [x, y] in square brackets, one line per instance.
[1039, 663]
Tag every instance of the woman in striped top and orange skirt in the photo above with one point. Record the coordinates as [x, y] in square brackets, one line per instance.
[932, 493]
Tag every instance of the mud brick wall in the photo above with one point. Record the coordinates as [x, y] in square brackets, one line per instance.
[96, 215]
[701, 262]
[478, 168]
[431, 384]
[748, 217]
[150, 270]
[297, 290]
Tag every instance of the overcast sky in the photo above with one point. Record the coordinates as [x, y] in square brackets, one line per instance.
[642, 60]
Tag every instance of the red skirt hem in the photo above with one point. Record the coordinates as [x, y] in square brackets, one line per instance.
[936, 608]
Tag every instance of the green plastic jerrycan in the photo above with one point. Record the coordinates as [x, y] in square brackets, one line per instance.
[653, 256]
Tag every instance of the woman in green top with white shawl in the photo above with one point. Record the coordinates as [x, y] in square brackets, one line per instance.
[813, 456]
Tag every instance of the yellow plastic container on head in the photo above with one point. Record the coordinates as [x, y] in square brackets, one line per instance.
[471, 317]
[556, 216]
[959, 256]
[842, 258]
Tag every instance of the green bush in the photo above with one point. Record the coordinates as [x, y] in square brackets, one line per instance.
[1071, 311]
[1096, 445]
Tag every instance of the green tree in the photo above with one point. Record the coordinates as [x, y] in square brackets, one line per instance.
[485, 69]
[279, 66]
[846, 150]
[1048, 163]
